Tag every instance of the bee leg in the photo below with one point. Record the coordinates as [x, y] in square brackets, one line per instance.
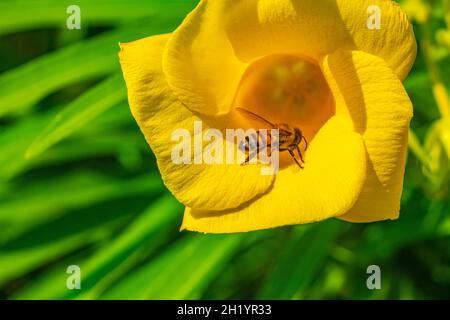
[300, 153]
[248, 158]
[247, 144]
[247, 150]
[295, 159]
[306, 142]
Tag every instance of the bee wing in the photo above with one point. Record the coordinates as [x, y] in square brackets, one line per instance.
[250, 115]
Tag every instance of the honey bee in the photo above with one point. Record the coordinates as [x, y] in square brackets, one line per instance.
[289, 138]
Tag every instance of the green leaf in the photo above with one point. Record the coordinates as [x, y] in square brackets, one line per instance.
[153, 223]
[419, 221]
[52, 13]
[109, 136]
[82, 148]
[49, 197]
[437, 146]
[14, 141]
[299, 262]
[90, 59]
[419, 88]
[72, 220]
[182, 272]
[14, 263]
[49, 283]
[148, 225]
[79, 113]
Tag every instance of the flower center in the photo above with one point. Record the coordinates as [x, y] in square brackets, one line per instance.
[287, 89]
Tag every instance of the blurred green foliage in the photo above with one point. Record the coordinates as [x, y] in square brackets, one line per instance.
[79, 185]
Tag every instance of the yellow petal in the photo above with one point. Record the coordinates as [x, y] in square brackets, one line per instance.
[367, 90]
[209, 52]
[158, 113]
[199, 61]
[328, 186]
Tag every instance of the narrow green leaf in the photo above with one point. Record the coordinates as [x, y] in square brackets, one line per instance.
[182, 272]
[19, 262]
[147, 226]
[81, 148]
[300, 261]
[427, 220]
[52, 13]
[79, 113]
[90, 59]
[49, 283]
[47, 198]
[113, 258]
[14, 141]
[107, 137]
[40, 239]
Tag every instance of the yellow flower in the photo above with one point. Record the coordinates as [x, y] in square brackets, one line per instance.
[321, 65]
